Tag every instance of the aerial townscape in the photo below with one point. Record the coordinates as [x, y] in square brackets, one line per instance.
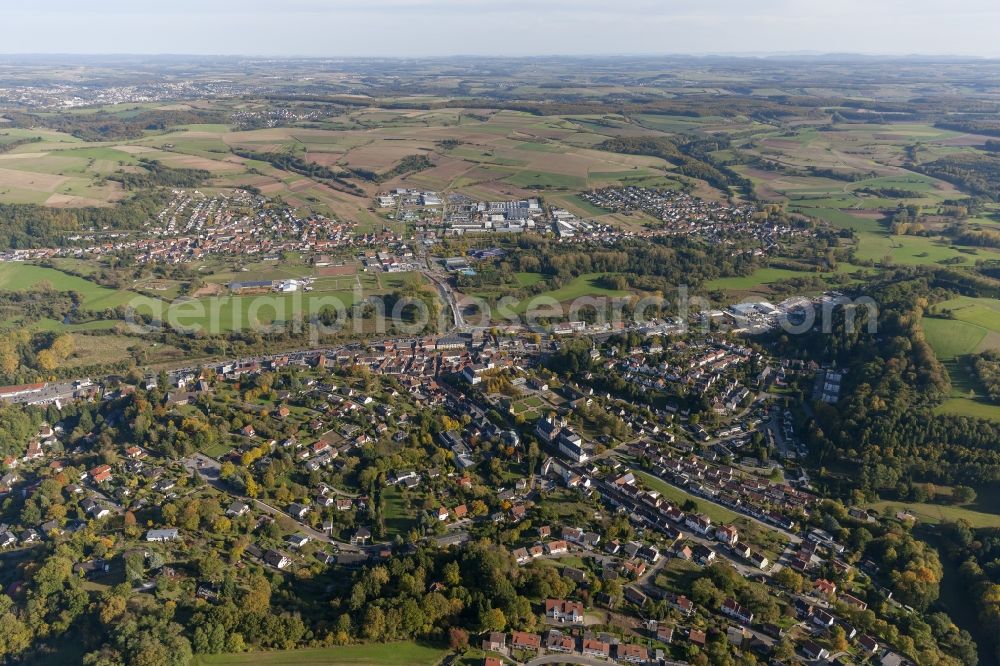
[502, 361]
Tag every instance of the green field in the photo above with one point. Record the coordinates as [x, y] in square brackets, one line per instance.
[952, 338]
[939, 513]
[975, 328]
[25, 277]
[398, 518]
[390, 654]
[755, 279]
[583, 285]
[719, 514]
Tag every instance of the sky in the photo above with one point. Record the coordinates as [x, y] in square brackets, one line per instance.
[418, 28]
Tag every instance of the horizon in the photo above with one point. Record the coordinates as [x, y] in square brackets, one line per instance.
[466, 28]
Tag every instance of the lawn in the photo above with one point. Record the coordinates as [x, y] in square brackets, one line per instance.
[398, 518]
[938, 513]
[388, 654]
[719, 514]
[951, 338]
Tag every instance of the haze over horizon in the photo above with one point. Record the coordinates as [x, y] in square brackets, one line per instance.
[424, 28]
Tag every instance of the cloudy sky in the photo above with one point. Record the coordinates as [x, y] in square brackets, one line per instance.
[499, 27]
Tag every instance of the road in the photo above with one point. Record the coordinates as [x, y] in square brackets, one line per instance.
[448, 296]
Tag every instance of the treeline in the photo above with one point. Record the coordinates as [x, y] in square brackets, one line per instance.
[155, 174]
[32, 225]
[11, 145]
[987, 367]
[656, 264]
[976, 173]
[977, 238]
[295, 164]
[987, 127]
[409, 164]
[691, 158]
[888, 192]
[104, 126]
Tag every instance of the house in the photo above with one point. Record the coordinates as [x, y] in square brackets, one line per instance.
[853, 601]
[492, 661]
[521, 555]
[700, 523]
[571, 445]
[682, 604]
[703, 554]
[814, 651]
[168, 534]
[822, 619]
[298, 540]
[664, 633]
[696, 636]
[891, 659]
[443, 513]
[460, 511]
[522, 640]
[34, 450]
[558, 642]
[727, 534]
[868, 644]
[237, 508]
[276, 559]
[564, 611]
[495, 642]
[737, 612]
[632, 654]
[595, 648]
[825, 587]
[100, 474]
[759, 559]
[556, 547]
[361, 536]
[635, 596]
[94, 510]
[296, 510]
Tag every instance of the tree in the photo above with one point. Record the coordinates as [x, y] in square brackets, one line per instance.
[492, 619]
[373, 628]
[963, 495]
[458, 639]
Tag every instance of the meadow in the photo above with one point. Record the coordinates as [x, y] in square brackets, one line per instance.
[975, 327]
[388, 654]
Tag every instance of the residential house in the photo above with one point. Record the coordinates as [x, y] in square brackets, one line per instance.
[167, 534]
[564, 611]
